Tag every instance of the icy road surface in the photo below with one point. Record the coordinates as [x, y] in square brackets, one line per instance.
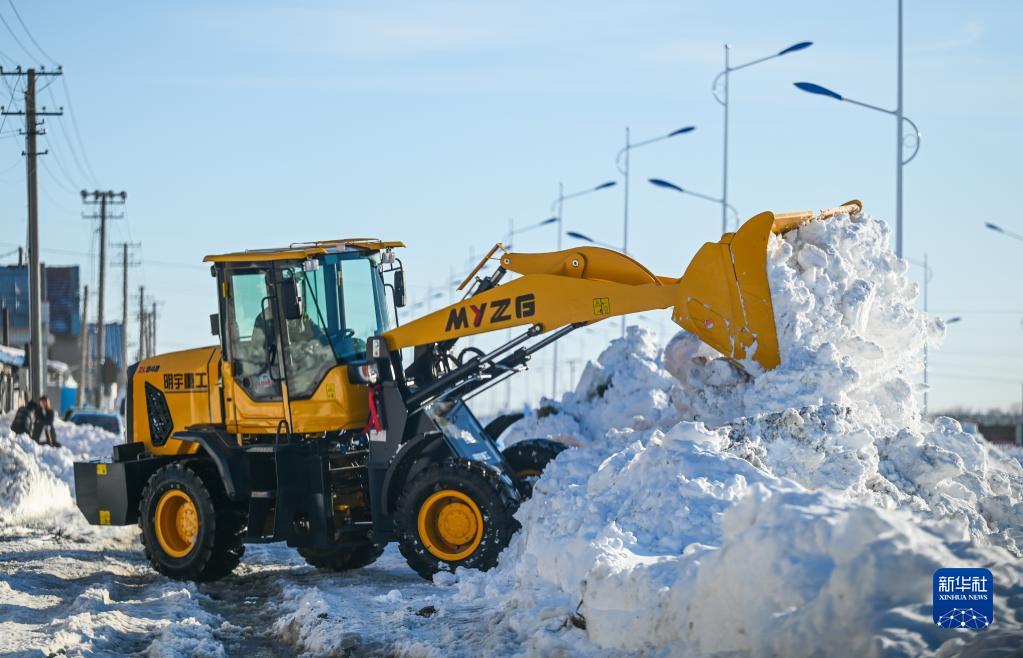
[86, 595]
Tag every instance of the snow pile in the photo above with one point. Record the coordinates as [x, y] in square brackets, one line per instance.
[848, 332]
[625, 388]
[805, 513]
[36, 480]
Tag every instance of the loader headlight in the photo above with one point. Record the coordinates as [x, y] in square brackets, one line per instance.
[363, 373]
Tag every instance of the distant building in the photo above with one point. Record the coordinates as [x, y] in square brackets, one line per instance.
[61, 386]
[62, 315]
[62, 322]
[1006, 434]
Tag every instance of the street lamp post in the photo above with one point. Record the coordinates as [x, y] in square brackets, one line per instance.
[900, 137]
[900, 160]
[671, 186]
[559, 204]
[928, 275]
[622, 163]
[723, 100]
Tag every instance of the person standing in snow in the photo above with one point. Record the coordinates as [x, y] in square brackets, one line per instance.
[44, 424]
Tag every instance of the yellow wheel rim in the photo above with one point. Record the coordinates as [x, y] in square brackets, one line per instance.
[524, 473]
[176, 522]
[450, 525]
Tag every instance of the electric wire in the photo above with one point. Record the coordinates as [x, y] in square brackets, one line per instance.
[29, 33]
[75, 187]
[70, 145]
[78, 133]
[14, 89]
[15, 37]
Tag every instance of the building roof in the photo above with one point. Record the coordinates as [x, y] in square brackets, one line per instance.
[303, 250]
[14, 356]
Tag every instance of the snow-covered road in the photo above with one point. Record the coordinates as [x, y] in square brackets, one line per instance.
[92, 593]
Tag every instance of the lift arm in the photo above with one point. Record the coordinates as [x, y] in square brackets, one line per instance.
[723, 297]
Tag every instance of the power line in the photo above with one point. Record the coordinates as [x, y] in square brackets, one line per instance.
[63, 170]
[71, 252]
[988, 311]
[942, 375]
[32, 38]
[10, 100]
[15, 37]
[87, 170]
[74, 124]
[71, 147]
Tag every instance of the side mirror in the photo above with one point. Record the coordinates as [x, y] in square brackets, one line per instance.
[215, 324]
[291, 303]
[400, 295]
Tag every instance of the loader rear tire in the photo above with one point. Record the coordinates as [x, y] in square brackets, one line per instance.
[528, 460]
[455, 514]
[342, 559]
[190, 530]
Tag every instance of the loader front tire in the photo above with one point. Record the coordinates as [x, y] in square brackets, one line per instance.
[342, 559]
[190, 531]
[455, 514]
[529, 458]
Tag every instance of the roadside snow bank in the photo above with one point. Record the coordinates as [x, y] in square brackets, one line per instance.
[674, 544]
[803, 515]
[36, 480]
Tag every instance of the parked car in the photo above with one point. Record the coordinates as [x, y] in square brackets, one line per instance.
[105, 421]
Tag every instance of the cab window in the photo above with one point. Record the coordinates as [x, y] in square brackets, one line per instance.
[341, 309]
[252, 338]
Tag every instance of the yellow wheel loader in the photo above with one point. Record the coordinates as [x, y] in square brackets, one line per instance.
[303, 424]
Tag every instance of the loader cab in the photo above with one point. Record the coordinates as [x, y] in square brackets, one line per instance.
[290, 321]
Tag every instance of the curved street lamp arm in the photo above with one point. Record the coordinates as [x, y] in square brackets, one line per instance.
[714, 87]
[916, 131]
[714, 84]
[756, 61]
[916, 140]
[530, 227]
[636, 145]
[579, 193]
[928, 270]
[618, 159]
[702, 196]
[868, 105]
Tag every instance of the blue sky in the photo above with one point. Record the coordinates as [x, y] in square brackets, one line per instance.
[247, 124]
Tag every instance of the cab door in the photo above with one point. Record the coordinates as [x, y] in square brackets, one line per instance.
[254, 391]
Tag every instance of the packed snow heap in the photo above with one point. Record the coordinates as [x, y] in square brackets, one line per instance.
[37, 481]
[802, 510]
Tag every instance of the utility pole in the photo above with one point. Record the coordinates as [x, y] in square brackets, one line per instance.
[102, 199]
[152, 331]
[142, 323]
[83, 348]
[126, 262]
[36, 357]
[927, 279]
[899, 142]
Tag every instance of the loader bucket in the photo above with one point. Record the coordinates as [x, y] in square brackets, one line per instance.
[724, 297]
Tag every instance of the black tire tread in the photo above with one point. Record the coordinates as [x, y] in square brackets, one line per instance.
[218, 556]
[532, 454]
[499, 503]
